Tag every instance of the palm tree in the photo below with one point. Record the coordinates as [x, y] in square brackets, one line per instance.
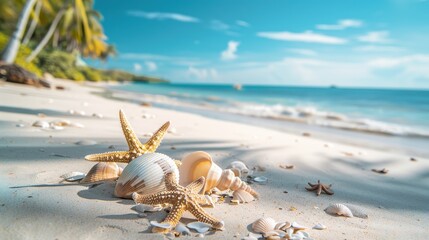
[9, 53]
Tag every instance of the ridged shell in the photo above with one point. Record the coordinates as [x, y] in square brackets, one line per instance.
[357, 211]
[73, 176]
[242, 196]
[263, 225]
[145, 175]
[102, 171]
[339, 209]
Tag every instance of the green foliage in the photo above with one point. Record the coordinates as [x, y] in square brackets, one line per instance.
[92, 74]
[60, 65]
[22, 54]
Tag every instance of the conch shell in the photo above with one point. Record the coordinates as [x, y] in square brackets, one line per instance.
[145, 175]
[102, 172]
[197, 164]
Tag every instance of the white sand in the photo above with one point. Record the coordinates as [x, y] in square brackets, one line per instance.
[397, 203]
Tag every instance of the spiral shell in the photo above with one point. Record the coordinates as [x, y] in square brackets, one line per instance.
[101, 172]
[198, 164]
[145, 175]
[264, 225]
[339, 209]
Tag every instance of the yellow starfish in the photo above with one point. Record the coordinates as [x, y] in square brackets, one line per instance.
[182, 199]
[136, 148]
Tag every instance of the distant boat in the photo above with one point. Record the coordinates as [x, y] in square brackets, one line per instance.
[238, 87]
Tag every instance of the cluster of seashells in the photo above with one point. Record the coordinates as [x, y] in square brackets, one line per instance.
[56, 125]
[271, 229]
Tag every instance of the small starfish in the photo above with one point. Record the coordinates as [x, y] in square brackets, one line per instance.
[136, 148]
[182, 199]
[319, 187]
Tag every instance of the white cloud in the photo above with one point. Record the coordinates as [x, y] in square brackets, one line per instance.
[242, 23]
[305, 52]
[341, 24]
[202, 73]
[378, 48]
[219, 25]
[393, 62]
[137, 67]
[375, 37]
[229, 53]
[163, 16]
[175, 60]
[307, 36]
[151, 66]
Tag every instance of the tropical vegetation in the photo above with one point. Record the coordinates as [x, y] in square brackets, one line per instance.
[52, 35]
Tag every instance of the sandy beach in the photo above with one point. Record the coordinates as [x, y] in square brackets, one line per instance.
[34, 206]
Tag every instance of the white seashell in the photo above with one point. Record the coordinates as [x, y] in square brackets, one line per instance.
[86, 142]
[297, 226]
[200, 235]
[263, 225]
[282, 226]
[339, 209]
[102, 171]
[145, 175]
[160, 225]
[239, 168]
[260, 179]
[142, 208]
[182, 229]
[73, 176]
[255, 235]
[82, 113]
[200, 164]
[199, 226]
[319, 226]
[41, 124]
[77, 125]
[357, 211]
[20, 125]
[57, 128]
[242, 196]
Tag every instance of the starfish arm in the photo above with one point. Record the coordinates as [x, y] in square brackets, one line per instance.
[319, 190]
[203, 216]
[175, 214]
[197, 185]
[153, 143]
[119, 156]
[167, 197]
[314, 187]
[327, 190]
[132, 140]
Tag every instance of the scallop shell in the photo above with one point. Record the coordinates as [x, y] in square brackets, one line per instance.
[242, 196]
[73, 176]
[200, 227]
[145, 175]
[102, 171]
[239, 168]
[264, 225]
[200, 164]
[339, 209]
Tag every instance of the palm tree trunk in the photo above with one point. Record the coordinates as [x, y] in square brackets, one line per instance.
[33, 24]
[11, 50]
[47, 36]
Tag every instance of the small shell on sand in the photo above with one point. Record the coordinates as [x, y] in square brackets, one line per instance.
[142, 208]
[263, 225]
[86, 142]
[148, 116]
[61, 123]
[339, 209]
[97, 115]
[73, 176]
[287, 166]
[242, 196]
[20, 125]
[357, 211]
[200, 227]
[182, 229]
[319, 226]
[261, 179]
[160, 225]
[41, 124]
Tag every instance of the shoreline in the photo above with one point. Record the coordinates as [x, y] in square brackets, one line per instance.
[396, 202]
[414, 146]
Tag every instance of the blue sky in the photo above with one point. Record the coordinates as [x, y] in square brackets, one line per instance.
[363, 43]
